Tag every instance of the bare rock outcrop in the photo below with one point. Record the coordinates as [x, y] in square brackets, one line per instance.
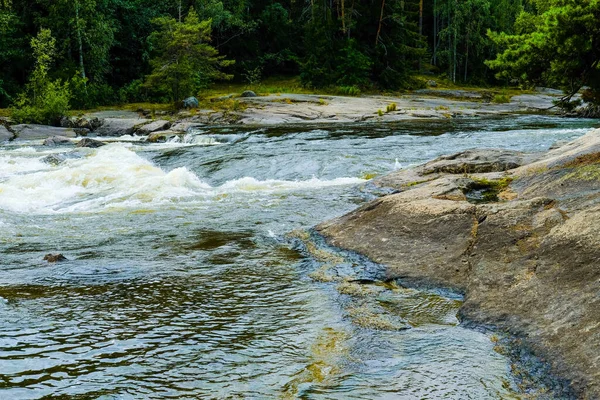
[40, 132]
[5, 134]
[521, 240]
[120, 126]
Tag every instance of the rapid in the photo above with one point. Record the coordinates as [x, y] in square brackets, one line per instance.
[183, 280]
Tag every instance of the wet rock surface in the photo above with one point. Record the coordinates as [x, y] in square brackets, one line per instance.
[526, 259]
[40, 132]
[5, 134]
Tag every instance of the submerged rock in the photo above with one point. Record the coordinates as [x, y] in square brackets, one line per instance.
[57, 159]
[57, 141]
[52, 258]
[527, 260]
[91, 143]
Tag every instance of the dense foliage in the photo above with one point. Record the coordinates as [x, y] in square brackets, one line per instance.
[111, 51]
[558, 44]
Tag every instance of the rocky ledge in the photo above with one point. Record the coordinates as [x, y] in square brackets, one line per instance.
[518, 234]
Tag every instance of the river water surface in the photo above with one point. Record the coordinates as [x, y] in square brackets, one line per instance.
[182, 281]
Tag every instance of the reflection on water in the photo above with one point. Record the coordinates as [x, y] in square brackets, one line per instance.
[182, 280]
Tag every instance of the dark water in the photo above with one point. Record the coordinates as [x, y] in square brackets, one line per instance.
[182, 282]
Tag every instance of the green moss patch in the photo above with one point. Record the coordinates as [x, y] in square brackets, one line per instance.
[482, 190]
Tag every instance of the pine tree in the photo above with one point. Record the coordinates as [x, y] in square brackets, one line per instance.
[184, 61]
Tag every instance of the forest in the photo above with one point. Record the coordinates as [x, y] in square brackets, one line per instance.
[86, 53]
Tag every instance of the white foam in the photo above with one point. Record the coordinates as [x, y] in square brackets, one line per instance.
[12, 165]
[115, 176]
[253, 185]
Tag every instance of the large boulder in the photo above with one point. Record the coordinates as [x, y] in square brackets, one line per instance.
[40, 132]
[183, 127]
[91, 123]
[5, 134]
[162, 136]
[154, 126]
[90, 143]
[67, 122]
[191, 102]
[248, 93]
[526, 259]
[467, 162]
[120, 126]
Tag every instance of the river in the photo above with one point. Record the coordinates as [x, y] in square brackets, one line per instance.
[182, 280]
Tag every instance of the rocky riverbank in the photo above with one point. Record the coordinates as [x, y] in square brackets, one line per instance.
[518, 233]
[283, 109]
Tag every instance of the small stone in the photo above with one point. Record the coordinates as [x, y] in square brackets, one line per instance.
[52, 258]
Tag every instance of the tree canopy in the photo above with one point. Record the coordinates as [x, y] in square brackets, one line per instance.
[559, 45]
[113, 51]
[185, 61]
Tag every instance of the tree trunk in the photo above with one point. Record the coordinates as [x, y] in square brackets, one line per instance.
[380, 21]
[467, 57]
[435, 23]
[80, 43]
[420, 31]
[455, 40]
[343, 17]
[449, 40]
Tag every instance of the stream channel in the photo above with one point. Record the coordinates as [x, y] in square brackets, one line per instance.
[183, 280]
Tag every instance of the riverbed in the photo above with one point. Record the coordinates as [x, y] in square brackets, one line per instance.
[182, 280]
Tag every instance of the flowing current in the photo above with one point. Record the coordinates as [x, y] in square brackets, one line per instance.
[182, 281]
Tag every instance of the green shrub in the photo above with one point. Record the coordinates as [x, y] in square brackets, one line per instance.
[568, 106]
[48, 107]
[501, 99]
[348, 90]
[380, 113]
[44, 101]
[391, 107]
[86, 95]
